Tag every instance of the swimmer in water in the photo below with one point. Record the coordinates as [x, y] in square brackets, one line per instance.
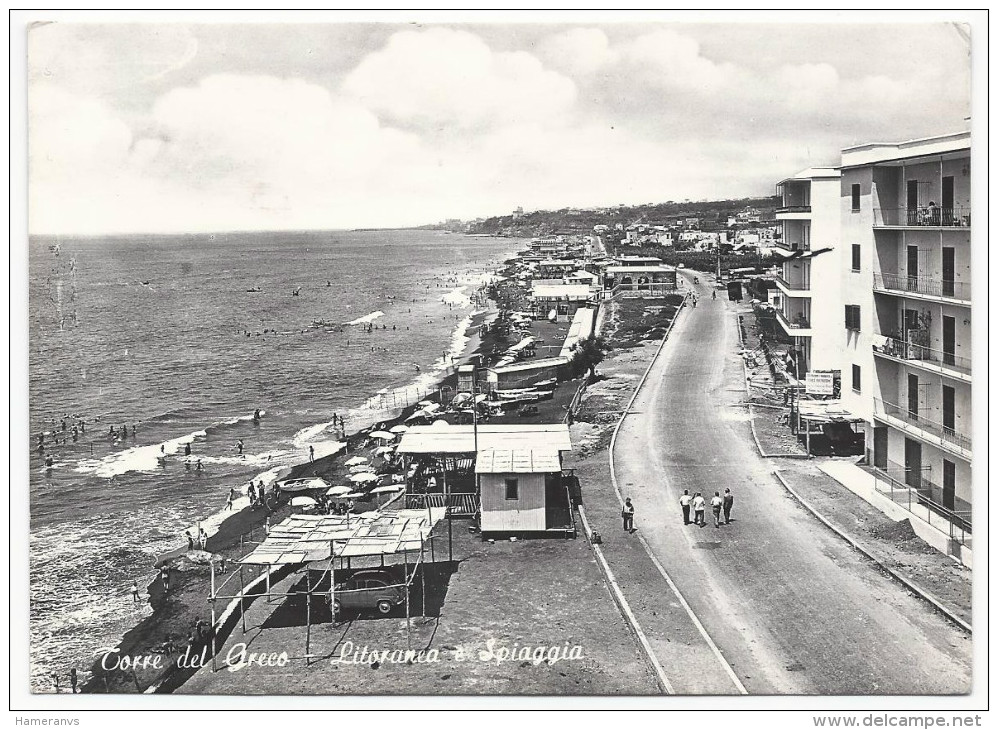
[198, 467]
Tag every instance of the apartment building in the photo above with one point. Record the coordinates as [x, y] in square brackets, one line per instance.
[906, 311]
[809, 281]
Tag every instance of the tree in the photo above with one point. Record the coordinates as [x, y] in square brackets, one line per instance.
[589, 353]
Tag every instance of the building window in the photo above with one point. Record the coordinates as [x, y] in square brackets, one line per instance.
[855, 196]
[852, 317]
[855, 257]
[856, 379]
[512, 489]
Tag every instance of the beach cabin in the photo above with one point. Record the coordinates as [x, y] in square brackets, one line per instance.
[523, 491]
[466, 379]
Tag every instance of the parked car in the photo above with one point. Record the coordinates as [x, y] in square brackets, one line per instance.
[527, 410]
[374, 590]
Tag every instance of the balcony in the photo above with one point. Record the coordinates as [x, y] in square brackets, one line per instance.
[921, 217]
[923, 428]
[927, 358]
[799, 326]
[792, 290]
[923, 287]
[792, 245]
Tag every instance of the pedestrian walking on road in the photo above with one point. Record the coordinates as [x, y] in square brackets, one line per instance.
[715, 507]
[729, 500]
[684, 502]
[699, 505]
[627, 513]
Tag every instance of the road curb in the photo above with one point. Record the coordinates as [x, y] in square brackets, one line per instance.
[625, 608]
[917, 590]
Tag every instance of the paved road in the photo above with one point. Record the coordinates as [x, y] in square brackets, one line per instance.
[791, 607]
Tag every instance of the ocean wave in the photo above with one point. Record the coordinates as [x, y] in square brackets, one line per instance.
[457, 296]
[366, 318]
[307, 434]
[147, 458]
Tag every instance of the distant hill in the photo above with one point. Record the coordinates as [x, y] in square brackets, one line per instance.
[574, 220]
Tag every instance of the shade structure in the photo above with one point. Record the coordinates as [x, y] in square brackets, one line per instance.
[353, 461]
[303, 502]
[353, 495]
[398, 429]
[363, 477]
[383, 450]
[385, 435]
[359, 468]
[387, 488]
[333, 491]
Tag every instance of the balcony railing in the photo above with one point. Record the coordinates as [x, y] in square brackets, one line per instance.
[794, 209]
[922, 217]
[801, 286]
[799, 321]
[927, 285]
[910, 489]
[914, 418]
[909, 351]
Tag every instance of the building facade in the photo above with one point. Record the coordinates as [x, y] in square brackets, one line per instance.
[906, 311]
[809, 282]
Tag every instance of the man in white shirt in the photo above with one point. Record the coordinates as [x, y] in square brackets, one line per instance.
[699, 505]
[684, 502]
[715, 506]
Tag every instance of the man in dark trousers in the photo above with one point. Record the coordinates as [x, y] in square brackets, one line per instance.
[684, 502]
[628, 514]
[729, 499]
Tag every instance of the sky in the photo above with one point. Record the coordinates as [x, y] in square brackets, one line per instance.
[162, 127]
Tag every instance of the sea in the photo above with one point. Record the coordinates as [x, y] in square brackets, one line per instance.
[179, 340]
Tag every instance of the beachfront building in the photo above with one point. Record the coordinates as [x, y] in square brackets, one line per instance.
[515, 375]
[559, 302]
[555, 268]
[523, 491]
[809, 279]
[469, 468]
[639, 280]
[906, 352]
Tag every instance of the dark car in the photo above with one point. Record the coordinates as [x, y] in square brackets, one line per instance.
[368, 590]
[528, 411]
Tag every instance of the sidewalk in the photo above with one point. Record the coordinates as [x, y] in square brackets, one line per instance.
[893, 544]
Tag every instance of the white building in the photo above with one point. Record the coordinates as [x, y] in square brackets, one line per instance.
[905, 212]
[809, 282]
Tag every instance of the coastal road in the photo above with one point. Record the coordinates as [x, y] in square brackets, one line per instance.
[790, 606]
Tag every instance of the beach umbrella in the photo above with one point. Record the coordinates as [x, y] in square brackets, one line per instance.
[335, 491]
[425, 403]
[303, 502]
[381, 450]
[386, 488]
[364, 477]
[358, 468]
[398, 429]
[385, 435]
[356, 460]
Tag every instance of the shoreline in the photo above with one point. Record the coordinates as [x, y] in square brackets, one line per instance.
[176, 611]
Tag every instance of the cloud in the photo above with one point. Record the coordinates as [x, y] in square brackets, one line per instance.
[431, 123]
[451, 78]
